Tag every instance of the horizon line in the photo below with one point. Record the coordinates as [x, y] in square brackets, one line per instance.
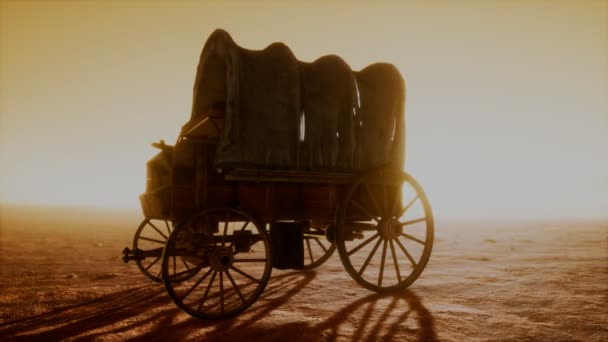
[448, 217]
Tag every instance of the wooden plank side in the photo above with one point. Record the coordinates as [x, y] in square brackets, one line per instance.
[288, 176]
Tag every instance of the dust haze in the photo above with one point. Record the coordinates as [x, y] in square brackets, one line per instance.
[62, 278]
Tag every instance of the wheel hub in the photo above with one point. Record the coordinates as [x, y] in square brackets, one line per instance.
[221, 259]
[390, 228]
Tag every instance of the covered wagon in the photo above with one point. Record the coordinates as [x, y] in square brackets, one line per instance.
[281, 163]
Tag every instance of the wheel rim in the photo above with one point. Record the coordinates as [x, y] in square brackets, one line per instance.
[317, 249]
[231, 254]
[149, 240]
[385, 230]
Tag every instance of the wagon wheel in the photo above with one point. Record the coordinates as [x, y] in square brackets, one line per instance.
[317, 249]
[149, 240]
[384, 231]
[232, 253]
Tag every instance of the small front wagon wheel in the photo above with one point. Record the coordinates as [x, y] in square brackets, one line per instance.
[148, 243]
[231, 254]
[385, 229]
[317, 249]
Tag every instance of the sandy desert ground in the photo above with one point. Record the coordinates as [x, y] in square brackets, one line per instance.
[62, 279]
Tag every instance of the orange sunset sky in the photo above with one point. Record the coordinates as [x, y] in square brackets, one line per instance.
[507, 103]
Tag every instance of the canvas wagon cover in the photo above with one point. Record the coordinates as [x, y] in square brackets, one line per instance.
[281, 113]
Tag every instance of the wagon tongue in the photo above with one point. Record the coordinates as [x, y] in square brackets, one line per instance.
[138, 254]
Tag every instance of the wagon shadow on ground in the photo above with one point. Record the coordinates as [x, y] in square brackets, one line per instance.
[72, 320]
[372, 318]
[378, 316]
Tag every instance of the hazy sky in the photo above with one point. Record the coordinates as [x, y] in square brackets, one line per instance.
[507, 106]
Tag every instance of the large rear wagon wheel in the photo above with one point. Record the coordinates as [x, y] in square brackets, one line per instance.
[385, 230]
[231, 253]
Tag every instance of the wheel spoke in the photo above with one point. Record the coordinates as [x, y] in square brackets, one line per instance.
[408, 222]
[185, 263]
[370, 227]
[245, 275]
[200, 304]
[180, 273]
[381, 273]
[407, 254]
[212, 281]
[408, 236]
[363, 244]
[242, 228]
[408, 205]
[373, 198]
[369, 257]
[153, 262]
[385, 205]
[395, 260]
[157, 230]
[378, 207]
[198, 282]
[225, 229]
[222, 291]
[168, 228]
[396, 199]
[245, 225]
[312, 259]
[321, 244]
[152, 240]
[364, 210]
[234, 285]
[209, 230]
